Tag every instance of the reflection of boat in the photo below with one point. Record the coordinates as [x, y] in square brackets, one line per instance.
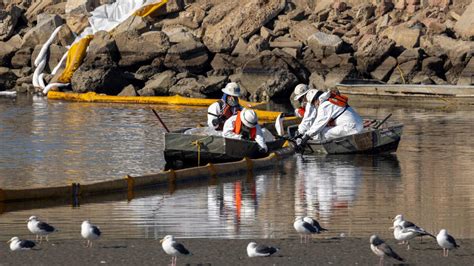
[192, 149]
[383, 139]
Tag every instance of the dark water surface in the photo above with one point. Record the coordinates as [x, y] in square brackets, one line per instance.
[430, 179]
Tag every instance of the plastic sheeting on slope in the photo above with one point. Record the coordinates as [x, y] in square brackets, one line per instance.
[105, 17]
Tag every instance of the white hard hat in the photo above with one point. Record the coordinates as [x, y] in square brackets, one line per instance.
[249, 118]
[311, 94]
[232, 89]
[300, 91]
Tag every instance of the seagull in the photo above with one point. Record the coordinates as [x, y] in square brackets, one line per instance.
[446, 241]
[381, 249]
[173, 248]
[404, 234]
[314, 223]
[304, 228]
[254, 250]
[17, 244]
[39, 228]
[399, 220]
[89, 232]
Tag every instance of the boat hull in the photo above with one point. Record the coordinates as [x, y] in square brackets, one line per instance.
[371, 140]
[190, 149]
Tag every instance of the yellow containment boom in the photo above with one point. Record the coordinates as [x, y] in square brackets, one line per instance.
[171, 100]
[164, 178]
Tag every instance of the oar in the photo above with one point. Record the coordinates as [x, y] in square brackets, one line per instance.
[161, 121]
[383, 121]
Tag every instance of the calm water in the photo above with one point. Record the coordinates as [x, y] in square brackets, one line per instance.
[430, 179]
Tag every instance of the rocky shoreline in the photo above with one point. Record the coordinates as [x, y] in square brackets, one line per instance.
[193, 47]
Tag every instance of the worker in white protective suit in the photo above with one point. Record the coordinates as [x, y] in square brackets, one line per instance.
[224, 108]
[335, 118]
[299, 101]
[309, 113]
[244, 125]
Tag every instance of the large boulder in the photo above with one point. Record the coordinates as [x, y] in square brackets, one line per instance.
[458, 51]
[6, 53]
[302, 31]
[223, 64]
[213, 85]
[323, 79]
[137, 49]
[383, 71]
[42, 31]
[8, 21]
[404, 36]
[110, 81]
[404, 73]
[103, 45]
[465, 25]
[229, 21]
[81, 5]
[408, 55]
[99, 72]
[22, 58]
[323, 44]
[372, 51]
[160, 83]
[467, 75]
[187, 56]
[266, 77]
[37, 7]
[188, 87]
[178, 33]
[433, 66]
[7, 79]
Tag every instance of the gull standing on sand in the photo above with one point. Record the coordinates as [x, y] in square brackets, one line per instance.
[404, 234]
[18, 244]
[39, 228]
[89, 232]
[381, 249]
[304, 228]
[446, 241]
[254, 250]
[314, 223]
[399, 220]
[173, 248]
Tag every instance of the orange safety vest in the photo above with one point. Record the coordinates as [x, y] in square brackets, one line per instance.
[226, 113]
[238, 127]
[338, 99]
[300, 111]
[341, 101]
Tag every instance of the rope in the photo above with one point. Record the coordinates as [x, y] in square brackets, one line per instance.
[401, 73]
[198, 143]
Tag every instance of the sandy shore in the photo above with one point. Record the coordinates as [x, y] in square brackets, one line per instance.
[343, 251]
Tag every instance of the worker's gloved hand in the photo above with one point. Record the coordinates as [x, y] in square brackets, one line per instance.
[297, 135]
[301, 143]
[262, 150]
[217, 121]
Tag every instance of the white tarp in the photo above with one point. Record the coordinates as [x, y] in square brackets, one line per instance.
[105, 17]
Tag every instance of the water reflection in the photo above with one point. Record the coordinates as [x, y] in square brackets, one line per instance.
[43, 142]
[327, 184]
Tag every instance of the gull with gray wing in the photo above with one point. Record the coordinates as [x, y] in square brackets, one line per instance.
[381, 249]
